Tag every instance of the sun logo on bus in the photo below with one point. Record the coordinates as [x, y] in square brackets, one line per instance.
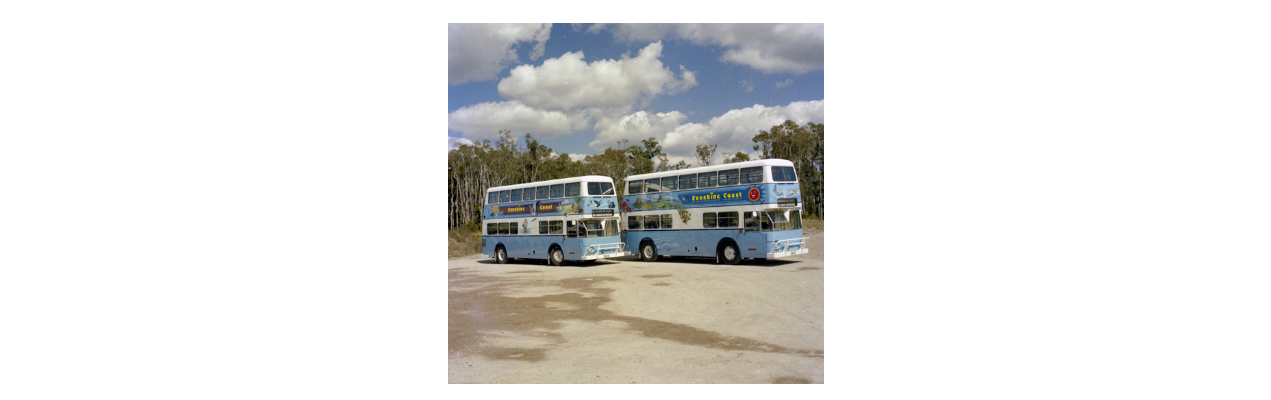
[753, 195]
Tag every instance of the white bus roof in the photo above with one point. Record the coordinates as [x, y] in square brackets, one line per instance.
[588, 178]
[721, 167]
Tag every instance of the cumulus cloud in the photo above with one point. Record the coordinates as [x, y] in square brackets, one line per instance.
[454, 142]
[478, 52]
[733, 130]
[787, 82]
[635, 127]
[771, 48]
[484, 120]
[568, 83]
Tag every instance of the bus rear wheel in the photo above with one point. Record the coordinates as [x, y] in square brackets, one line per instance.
[730, 254]
[556, 257]
[501, 255]
[648, 253]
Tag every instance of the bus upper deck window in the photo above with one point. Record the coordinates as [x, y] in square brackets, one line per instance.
[668, 184]
[636, 187]
[493, 198]
[728, 177]
[542, 193]
[573, 189]
[706, 179]
[529, 194]
[606, 188]
[516, 195]
[593, 188]
[688, 181]
[651, 185]
[505, 196]
[558, 191]
[752, 175]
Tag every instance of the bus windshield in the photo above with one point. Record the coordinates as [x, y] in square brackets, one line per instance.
[592, 228]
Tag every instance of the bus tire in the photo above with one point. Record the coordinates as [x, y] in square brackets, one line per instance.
[730, 254]
[556, 257]
[648, 252]
[501, 254]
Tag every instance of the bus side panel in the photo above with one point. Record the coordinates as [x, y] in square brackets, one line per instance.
[529, 246]
[702, 242]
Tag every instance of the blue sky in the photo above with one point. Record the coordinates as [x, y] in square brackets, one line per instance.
[581, 87]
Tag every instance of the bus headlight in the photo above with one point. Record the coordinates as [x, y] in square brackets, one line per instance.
[591, 249]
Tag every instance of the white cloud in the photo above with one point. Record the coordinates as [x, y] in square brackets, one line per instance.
[787, 82]
[568, 83]
[733, 130]
[484, 120]
[454, 142]
[635, 127]
[771, 48]
[577, 157]
[478, 52]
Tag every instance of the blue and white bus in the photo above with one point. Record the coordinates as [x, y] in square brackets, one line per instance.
[741, 210]
[573, 219]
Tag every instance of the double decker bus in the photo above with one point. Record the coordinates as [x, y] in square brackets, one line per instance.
[574, 219]
[741, 210]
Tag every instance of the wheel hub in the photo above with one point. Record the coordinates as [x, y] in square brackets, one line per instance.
[728, 253]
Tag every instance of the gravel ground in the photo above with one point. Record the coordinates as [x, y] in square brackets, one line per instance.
[677, 320]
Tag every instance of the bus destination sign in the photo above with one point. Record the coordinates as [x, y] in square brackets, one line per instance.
[605, 212]
[787, 202]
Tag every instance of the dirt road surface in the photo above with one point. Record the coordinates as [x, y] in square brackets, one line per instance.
[677, 320]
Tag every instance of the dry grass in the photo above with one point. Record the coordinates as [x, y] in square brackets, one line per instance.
[812, 224]
[464, 240]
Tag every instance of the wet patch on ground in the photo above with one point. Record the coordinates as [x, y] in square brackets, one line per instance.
[809, 268]
[655, 276]
[791, 379]
[480, 312]
[526, 272]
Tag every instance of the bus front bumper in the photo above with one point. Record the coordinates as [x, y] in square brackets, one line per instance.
[600, 256]
[787, 253]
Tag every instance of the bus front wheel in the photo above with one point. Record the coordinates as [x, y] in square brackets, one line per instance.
[501, 255]
[556, 257]
[730, 254]
[648, 253]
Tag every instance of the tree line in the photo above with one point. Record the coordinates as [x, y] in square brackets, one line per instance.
[475, 167]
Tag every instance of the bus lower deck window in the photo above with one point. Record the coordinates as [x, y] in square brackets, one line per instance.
[503, 228]
[651, 222]
[666, 221]
[708, 220]
[633, 222]
[750, 224]
[542, 227]
[492, 229]
[728, 219]
[558, 227]
[571, 228]
[512, 228]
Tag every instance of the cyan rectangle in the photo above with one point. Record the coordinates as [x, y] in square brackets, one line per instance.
[1030, 248]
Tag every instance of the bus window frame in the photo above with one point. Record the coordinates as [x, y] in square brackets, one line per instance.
[712, 179]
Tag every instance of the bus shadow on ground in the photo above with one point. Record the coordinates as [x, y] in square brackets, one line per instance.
[624, 260]
[543, 263]
[711, 261]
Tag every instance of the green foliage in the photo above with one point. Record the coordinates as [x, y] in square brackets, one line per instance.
[705, 154]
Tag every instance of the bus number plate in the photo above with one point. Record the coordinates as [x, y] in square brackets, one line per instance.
[608, 212]
[787, 202]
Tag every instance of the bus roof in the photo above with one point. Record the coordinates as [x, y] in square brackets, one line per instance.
[721, 167]
[588, 178]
